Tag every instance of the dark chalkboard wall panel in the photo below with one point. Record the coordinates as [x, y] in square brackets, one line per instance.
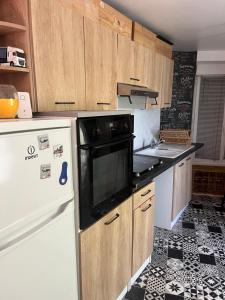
[179, 115]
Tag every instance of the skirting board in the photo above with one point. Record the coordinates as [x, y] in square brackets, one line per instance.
[133, 278]
[121, 296]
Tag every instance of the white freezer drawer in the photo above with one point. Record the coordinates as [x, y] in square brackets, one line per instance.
[42, 266]
[23, 163]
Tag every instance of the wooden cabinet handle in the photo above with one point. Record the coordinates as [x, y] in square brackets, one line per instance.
[136, 79]
[181, 165]
[65, 102]
[112, 219]
[148, 191]
[146, 208]
[103, 103]
[189, 158]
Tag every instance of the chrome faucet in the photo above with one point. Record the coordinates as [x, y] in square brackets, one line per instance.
[155, 144]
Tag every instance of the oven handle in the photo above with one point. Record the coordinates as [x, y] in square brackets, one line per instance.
[96, 147]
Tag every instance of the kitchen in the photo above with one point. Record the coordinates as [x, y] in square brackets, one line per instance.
[112, 173]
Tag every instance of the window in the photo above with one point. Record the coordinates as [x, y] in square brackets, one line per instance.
[209, 118]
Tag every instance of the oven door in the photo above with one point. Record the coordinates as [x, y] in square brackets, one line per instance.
[105, 178]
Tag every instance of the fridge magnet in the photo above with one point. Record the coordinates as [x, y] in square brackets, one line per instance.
[57, 151]
[63, 176]
[45, 171]
[43, 142]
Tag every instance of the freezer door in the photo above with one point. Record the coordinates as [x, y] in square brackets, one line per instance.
[41, 264]
[35, 172]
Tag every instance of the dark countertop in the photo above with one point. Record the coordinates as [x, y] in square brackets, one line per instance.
[139, 182]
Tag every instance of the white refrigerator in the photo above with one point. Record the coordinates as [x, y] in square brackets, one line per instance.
[37, 231]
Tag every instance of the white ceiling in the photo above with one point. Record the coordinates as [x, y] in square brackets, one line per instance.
[189, 24]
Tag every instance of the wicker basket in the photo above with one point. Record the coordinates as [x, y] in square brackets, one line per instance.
[176, 136]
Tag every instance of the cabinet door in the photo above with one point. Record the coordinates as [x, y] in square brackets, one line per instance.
[179, 188]
[137, 77]
[143, 220]
[158, 78]
[100, 63]
[163, 79]
[125, 60]
[188, 179]
[149, 57]
[168, 65]
[106, 254]
[58, 55]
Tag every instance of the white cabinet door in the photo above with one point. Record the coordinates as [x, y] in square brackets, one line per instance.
[164, 199]
[41, 263]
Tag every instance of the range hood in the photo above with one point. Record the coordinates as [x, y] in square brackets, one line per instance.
[128, 90]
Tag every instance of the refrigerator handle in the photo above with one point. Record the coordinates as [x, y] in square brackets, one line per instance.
[16, 240]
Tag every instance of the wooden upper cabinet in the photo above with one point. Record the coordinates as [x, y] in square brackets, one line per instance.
[101, 66]
[163, 79]
[106, 253]
[125, 69]
[115, 20]
[144, 36]
[58, 55]
[158, 78]
[163, 48]
[148, 71]
[135, 63]
[167, 81]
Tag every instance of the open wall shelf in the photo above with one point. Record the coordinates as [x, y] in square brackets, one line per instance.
[14, 32]
[7, 27]
[10, 69]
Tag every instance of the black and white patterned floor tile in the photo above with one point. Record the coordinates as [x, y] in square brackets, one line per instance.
[188, 262]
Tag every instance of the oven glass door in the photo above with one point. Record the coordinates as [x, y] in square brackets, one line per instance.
[105, 179]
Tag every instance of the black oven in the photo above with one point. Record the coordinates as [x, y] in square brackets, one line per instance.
[105, 160]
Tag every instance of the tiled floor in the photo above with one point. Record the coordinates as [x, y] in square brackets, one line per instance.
[188, 262]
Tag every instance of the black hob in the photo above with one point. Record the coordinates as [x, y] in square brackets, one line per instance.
[143, 164]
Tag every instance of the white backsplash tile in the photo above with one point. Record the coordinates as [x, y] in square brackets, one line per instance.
[146, 127]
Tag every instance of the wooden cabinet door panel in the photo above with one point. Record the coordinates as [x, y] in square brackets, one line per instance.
[158, 78]
[101, 63]
[58, 55]
[149, 57]
[143, 220]
[188, 179]
[125, 59]
[179, 188]
[137, 77]
[163, 79]
[167, 81]
[106, 254]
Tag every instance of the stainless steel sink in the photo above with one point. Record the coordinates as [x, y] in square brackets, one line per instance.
[165, 150]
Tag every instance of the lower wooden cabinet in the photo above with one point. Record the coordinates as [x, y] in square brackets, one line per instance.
[143, 220]
[182, 189]
[106, 254]
[189, 161]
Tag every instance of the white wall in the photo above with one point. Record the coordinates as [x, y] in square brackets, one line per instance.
[146, 127]
[146, 122]
[210, 63]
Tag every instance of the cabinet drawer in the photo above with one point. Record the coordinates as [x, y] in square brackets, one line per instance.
[144, 194]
